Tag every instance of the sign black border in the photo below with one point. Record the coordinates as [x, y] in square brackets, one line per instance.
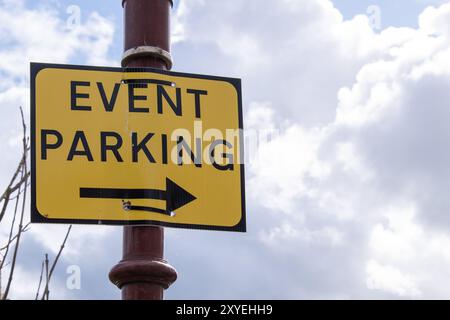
[36, 217]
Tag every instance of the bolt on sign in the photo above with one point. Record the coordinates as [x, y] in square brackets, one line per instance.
[130, 146]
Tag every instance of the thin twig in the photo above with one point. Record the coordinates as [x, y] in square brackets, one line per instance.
[40, 281]
[5, 205]
[22, 214]
[16, 247]
[19, 192]
[24, 229]
[46, 290]
[10, 188]
[19, 183]
[47, 279]
[10, 236]
[16, 173]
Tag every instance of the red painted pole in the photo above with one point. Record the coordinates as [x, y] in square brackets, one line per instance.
[143, 274]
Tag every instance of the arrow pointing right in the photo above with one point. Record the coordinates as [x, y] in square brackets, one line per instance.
[174, 195]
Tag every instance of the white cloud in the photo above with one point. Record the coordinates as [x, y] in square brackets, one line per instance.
[358, 173]
[46, 38]
[434, 21]
[390, 279]
[278, 236]
[283, 167]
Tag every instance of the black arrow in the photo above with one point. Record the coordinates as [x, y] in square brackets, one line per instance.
[174, 195]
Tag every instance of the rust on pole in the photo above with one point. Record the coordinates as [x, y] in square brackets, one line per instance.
[143, 273]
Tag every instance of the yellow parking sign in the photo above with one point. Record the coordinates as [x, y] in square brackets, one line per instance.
[131, 146]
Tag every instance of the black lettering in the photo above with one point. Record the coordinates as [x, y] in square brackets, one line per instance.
[132, 97]
[164, 148]
[196, 158]
[197, 94]
[74, 95]
[161, 92]
[228, 156]
[108, 105]
[86, 152]
[114, 148]
[45, 145]
[136, 147]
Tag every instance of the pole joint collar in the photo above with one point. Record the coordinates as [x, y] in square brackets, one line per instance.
[171, 2]
[147, 51]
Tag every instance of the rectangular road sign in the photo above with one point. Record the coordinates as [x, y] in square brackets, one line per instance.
[130, 146]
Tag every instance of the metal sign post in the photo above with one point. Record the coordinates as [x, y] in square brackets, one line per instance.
[143, 273]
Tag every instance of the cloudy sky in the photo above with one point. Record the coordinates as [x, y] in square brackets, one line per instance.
[348, 199]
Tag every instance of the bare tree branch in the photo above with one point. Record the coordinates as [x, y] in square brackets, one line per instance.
[40, 281]
[22, 214]
[10, 237]
[19, 183]
[46, 290]
[47, 279]
[17, 191]
[24, 229]
[16, 173]
[5, 205]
